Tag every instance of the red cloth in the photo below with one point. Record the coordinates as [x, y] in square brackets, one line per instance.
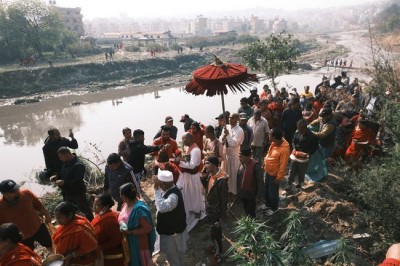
[77, 235]
[172, 150]
[390, 262]
[263, 95]
[109, 236]
[198, 137]
[354, 151]
[248, 181]
[26, 208]
[20, 256]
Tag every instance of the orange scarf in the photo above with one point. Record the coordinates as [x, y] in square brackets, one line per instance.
[78, 235]
[99, 218]
[213, 178]
[21, 255]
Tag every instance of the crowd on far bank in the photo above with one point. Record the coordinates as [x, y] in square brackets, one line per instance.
[275, 135]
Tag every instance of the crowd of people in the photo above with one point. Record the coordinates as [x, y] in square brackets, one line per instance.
[244, 158]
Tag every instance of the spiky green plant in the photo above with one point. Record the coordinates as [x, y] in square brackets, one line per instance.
[343, 251]
[294, 239]
[255, 244]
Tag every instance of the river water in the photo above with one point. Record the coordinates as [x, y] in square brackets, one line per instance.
[97, 125]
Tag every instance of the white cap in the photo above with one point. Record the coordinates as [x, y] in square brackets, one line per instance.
[165, 176]
[253, 88]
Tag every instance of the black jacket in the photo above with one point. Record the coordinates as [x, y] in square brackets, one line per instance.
[137, 152]
[50, 148]
[307, 143]
[216, 198]
[73, 173]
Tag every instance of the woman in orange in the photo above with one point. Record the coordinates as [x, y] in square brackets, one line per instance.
[107, 231]
[12, 252]
[75, 238]
[361, 138]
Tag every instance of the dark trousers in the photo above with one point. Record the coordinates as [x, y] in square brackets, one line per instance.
[42, 236]
[297, 169]
[271, 192]
[81, 201]
[216, 233]
[249, 207]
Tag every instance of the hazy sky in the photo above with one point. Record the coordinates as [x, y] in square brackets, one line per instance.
[187, 8]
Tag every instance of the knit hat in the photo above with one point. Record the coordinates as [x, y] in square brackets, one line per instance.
[213, 160]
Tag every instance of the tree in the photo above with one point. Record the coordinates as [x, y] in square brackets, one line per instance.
[30, 26]
[274, 56]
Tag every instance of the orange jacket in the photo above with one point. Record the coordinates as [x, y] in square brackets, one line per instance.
[277, 158]
[21, 256]
[27, 208]
[78, 235]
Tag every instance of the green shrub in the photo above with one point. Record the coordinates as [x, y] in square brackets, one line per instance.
[255, 244]
[294, 239]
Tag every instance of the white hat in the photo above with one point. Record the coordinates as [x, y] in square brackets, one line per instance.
[165, 176]
[253, 88]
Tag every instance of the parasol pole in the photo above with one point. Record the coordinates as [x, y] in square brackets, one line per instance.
[223, 103]
[223, 106]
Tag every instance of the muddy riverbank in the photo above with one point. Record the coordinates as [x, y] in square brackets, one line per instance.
[97, 76]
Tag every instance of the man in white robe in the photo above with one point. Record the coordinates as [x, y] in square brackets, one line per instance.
[232, 138]
[189, 181]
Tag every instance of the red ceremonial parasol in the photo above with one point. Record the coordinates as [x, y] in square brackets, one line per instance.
[217, 77]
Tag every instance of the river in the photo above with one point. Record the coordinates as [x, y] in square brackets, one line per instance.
[97, 124]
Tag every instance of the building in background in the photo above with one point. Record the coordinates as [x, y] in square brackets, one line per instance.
[199, 26]
[72, 18]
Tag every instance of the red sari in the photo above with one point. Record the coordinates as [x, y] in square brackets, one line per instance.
[20, 256]
[77, 235]
[109, 237]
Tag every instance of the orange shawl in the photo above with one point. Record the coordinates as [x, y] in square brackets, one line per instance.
[107, 231]
[77, 235]
[21, 256]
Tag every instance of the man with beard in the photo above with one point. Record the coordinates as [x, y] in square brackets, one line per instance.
[23, 208]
